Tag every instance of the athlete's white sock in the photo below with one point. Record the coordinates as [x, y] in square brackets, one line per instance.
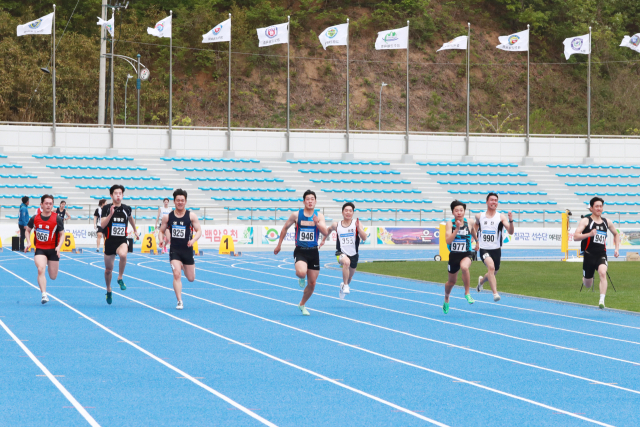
[602, 298]
[44, 294]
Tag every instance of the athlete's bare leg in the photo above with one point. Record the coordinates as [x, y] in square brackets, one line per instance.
[587, 282]
[98, 238]
[346, 263]
[453, 278]
[109, 260]
[602, 271]
[464, 270]
[177, 266]
[312, 276]
[301, 269]
[122, 252]
[491, 274]
[41, 264]
[53, 269]
[352, 271]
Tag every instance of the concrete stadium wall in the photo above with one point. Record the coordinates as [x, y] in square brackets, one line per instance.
[264, 144]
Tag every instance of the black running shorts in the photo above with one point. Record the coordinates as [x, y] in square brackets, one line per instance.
[184, 255]
[111, 245]
[494, 254]
[591, 263]
[311, 257]
[352, 258]
[51, 254]
[454, 260]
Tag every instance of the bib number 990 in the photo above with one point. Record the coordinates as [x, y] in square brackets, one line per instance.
[488, 238]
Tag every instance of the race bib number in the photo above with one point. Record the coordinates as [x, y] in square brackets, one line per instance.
[42, 235]
[307, 236]
[489, 238]
[459, 247]
[600, 238]
[346, 241]
[178, 232]
[118, 230]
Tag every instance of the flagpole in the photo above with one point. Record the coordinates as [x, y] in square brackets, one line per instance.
[589, 100]
[406, 151]
[53, 76]
[348, 142]
[468, 56]
[113, 13]
[288, 79]
[171, 84]
[229, 95]
[528, 44]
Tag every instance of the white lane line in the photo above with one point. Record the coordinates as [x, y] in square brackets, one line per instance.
[423, 317]
[477, 301]
[151, 355]
[52, 378]
[375, 326]
[248, 347]
[458, 309]
[472, 383]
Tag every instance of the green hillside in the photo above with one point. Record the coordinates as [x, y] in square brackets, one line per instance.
[437, 80]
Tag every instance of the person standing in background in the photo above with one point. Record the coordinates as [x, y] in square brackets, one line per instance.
[23, 220]
[97, 224]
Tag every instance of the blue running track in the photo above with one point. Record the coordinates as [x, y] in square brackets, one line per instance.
[241, 354]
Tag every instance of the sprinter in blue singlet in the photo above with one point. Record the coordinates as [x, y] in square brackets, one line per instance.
[309, 223]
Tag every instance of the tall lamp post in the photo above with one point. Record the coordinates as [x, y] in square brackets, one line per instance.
[129, 76]
[380, 111]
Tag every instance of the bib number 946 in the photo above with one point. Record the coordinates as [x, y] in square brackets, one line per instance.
[307, 236]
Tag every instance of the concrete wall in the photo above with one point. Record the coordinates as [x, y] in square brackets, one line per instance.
[264, 144]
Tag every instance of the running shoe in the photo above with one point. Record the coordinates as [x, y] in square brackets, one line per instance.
[109, 298]
[122, 285]
[480, 286]
[97, 250]
[179, 306]
[601, 305]
[496, 297]
[301, 282]
[346, 289]
[469, 299]
[45, 299]
[445, 308]
[341, 294]
[303, 309]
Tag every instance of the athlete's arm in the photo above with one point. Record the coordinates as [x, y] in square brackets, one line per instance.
[60, 224]
[508, 224]
[162, 232]
[292, 220]
[196, 226]
[319, 220]
[616, 237]
[578, 235]
[133, 224]
[106, 216]
[332, 227]
[450, 233]
[27, 234]
[474, 234]
[159, 217]
[95, 220]
[361, 232]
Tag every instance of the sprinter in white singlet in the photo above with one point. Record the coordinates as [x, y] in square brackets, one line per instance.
[349, 234]
[163, 211]
[489, 226]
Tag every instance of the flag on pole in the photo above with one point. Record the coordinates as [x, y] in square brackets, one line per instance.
[457, 43]
[393, 39]
[107, 24]
[162, 28]
[275, 34]
[39, 26]
[334, 36]
[579, 44]
[632, 42]
[219, 33]
[518, 42]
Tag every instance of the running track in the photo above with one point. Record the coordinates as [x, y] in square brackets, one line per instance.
[241, 354]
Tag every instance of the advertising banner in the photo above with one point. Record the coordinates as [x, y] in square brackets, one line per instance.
[408, 235]
[271, 235]
[630, 237]
[211, 234]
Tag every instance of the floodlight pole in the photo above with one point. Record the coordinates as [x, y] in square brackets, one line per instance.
[171, 84]
[53, 75]
[229, 95]
[348, 143]
[138, 85]
[288, 81]
[468, 85]
[113, 13]
[589, 100]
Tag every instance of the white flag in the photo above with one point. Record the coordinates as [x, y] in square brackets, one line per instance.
[275, 34]
[632, 42]
[518, 42]
[162, 28]
[580, 44]
[457, 43]
[335, 36]
[39, 26]
[107, 24]
[393, 39]
[219, 33]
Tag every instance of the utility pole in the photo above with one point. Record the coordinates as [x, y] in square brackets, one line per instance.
[103, 65]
